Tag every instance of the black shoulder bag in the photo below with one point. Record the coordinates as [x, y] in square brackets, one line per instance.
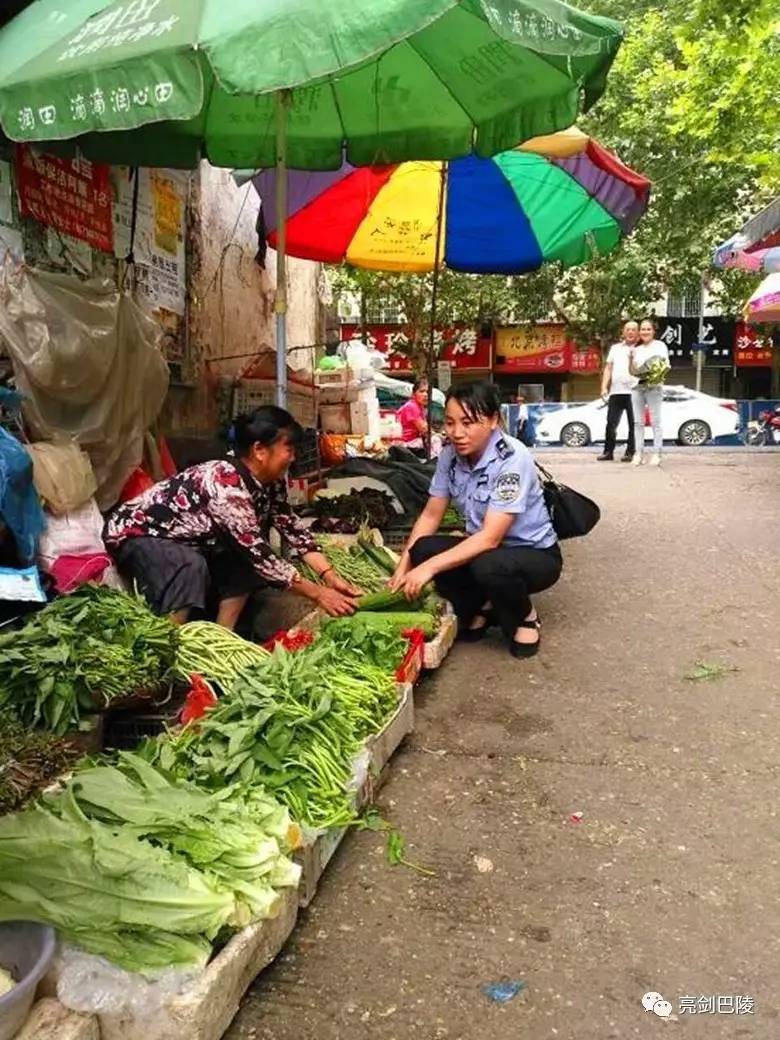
[573, 515]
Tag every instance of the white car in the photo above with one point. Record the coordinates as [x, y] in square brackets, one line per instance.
[688, 417]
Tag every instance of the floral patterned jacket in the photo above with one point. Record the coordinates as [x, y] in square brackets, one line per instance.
[210, 505]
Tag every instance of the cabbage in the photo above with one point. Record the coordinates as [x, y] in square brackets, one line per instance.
[143, 870]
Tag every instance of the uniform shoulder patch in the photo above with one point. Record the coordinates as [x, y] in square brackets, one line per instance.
[503, 449]
[508, 487]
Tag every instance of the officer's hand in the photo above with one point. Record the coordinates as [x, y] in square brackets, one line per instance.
[416, 580]
[335, 603]
[335, 581]
[399, 575]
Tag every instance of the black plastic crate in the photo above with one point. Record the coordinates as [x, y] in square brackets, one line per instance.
[395, 538]
[124, 730]
[307, 456]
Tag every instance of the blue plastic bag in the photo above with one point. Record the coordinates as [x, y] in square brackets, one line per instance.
[20, 507]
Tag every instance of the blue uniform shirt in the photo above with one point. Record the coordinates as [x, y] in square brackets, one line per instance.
[503, 480]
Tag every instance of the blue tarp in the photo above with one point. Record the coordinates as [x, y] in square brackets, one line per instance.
[20, 508]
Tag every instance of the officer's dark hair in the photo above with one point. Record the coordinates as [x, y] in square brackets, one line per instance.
[478, 400]
[265, 425]
[418, 384]
[650, 321]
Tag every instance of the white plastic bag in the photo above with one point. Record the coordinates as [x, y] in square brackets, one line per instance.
[86, 358]
[62, 474]
[95, 986]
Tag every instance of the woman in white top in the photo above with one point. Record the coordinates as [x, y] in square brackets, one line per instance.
[649, 362]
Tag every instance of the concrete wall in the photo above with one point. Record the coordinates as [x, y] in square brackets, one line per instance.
[231, 315]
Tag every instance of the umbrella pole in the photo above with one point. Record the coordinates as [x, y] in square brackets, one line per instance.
[282, 101]
[434, 301]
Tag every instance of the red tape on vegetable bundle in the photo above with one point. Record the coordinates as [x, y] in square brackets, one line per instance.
[416, 639]
[291, 639]
[200, 698]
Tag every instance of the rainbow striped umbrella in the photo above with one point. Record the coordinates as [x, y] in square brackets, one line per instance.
[560, 197]
[764, 305]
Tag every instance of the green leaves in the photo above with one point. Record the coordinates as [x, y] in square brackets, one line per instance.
[81, 652]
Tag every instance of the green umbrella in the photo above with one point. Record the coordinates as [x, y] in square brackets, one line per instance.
[301, 83]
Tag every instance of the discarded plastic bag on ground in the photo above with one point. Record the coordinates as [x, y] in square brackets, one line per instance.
[62, 474]
[360, 766]
[95, 986]
[85, 356]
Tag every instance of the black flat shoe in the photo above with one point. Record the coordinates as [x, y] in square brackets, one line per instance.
[605, 458]
[526, 649]
[474, 635]
[627, 458]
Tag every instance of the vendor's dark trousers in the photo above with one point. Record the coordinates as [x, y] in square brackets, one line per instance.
[505, 577]
[618, 404]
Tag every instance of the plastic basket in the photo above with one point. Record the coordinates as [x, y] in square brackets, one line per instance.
[253, 393]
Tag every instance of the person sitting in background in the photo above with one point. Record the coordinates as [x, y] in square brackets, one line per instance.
[510, 550]
[413, 416]
[207, 530]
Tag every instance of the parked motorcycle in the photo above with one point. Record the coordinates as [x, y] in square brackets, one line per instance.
[764, 430]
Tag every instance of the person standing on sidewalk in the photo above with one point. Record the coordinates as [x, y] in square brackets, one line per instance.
[650, 363]
[617, 385]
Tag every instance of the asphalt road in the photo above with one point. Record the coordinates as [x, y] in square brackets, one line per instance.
[667, 882]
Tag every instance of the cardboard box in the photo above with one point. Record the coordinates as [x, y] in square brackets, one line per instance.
[336, 418]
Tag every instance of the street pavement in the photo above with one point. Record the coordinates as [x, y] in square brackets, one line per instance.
[666, 883]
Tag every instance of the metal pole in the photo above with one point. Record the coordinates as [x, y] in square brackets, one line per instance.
[700, 351]
[280, 307]
[434, 300]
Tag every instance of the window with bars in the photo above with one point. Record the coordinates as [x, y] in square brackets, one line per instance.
[684, 304]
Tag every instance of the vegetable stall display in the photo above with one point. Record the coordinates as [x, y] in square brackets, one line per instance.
[29, 761]
[144, 870]
[82, 653]
[293, 724]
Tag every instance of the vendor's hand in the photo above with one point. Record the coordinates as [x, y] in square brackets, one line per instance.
[416, 580]
[399, 575]
[335, 581]
[336, 603]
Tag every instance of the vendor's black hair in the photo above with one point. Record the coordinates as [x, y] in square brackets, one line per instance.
[478, 400]
[422, 381]
[650, 321]
[265, 426]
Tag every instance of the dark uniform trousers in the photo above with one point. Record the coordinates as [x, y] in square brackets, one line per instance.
[505, 577]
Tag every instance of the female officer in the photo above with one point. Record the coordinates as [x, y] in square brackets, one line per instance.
[206, 530]
[510, 549]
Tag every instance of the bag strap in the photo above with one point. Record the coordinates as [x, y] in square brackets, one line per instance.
[545, 472]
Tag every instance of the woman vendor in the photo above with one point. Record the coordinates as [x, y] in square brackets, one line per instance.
[510, 550]
[207, 529]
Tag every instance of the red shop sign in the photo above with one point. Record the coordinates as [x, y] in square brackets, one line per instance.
[585, 362]
[751, 349]
[71, 195]
[459, 344]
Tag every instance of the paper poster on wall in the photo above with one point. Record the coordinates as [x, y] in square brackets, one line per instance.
[71, 195]
[158, 247]
[6, 196]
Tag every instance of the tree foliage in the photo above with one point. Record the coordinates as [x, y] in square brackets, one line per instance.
[692, 102]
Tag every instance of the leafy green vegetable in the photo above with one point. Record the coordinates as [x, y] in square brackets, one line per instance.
[81, 652]
[390, 621]
[396, 855]
[707, 672]
[384, 648]
[142, 869]
[292, 724]
[29, 760]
